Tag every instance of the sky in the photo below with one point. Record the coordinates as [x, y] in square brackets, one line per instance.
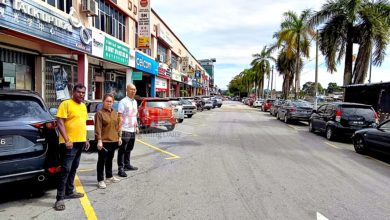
[232, 31]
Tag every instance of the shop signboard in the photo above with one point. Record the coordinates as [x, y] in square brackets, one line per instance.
[161, 84]
[145, 63]
[144, 35]
[136, 76]
[37, 19]
[110, 49]
[164, 35]
[176, 75]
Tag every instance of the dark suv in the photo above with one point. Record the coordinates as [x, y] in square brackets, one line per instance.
[342, 119]
[28, 135]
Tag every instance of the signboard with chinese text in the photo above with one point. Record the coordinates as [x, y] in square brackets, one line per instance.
[144, 36]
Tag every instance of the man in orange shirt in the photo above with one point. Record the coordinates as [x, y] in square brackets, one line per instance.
[71, 119]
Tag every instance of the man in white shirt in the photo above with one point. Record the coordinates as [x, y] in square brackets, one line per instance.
[128, 111]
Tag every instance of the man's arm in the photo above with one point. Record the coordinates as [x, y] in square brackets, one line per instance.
[61, 128]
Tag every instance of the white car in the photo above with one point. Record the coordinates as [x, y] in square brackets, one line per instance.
[258, 103]
[177, 110]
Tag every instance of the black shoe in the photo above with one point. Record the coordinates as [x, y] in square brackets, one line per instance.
[131, 168]
[122, 173]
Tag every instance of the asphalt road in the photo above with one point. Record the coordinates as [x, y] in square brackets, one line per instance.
[229, 163]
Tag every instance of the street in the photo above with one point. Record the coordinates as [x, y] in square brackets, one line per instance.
[233, 162]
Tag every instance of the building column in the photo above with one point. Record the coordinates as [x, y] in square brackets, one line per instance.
[153, 86]
[129, 78]
[82, 71]
[177, 90]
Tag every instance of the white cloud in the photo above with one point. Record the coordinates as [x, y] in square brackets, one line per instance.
[231, 31]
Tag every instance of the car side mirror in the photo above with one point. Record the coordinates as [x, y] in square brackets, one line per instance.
[53, 111]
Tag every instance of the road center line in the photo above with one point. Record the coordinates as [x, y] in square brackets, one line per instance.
[332, 145]
[321, 217]
[173, 156]
[88, 209]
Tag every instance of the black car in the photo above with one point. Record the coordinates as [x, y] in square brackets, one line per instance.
[275, 106]
[294, 111]
[342, 119]
[28, 135]
[377, 139]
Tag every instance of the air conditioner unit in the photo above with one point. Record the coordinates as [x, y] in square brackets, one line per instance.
[110, 76]
[160, 58]
[91, 7]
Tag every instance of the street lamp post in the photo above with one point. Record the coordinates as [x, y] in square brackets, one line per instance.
[316, 74]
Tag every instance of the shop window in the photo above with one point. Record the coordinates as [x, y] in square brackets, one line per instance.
[60, 4]
[161, 54]
[173, 61]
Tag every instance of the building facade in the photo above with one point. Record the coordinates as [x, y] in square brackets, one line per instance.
[49, 46]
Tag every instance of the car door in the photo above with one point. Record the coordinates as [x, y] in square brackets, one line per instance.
[316, 117]
[282, 110]
[380, 138]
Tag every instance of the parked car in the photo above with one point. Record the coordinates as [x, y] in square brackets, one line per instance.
[177, 110]
[342, 119]
[377, 139]
[154, 112]
[294, 110]
[219, 102]
[267, 104]
[28, 137]
[258, 103]
[275, 106]
[207, 103]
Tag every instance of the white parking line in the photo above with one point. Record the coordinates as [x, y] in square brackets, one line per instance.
[321, 217]
[332, 145]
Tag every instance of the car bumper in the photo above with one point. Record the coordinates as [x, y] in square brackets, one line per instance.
[90, 132]
[152, 122]
[300, 117]
[16, 170]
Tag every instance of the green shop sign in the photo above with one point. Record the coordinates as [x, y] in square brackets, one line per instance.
[136, 76]
[116, 52]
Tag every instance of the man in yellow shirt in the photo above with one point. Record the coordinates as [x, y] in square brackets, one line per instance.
[71, 119]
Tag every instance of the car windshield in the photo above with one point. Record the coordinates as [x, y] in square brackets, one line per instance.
[157, 104]
[174, 102]
[366, 112]
[186, 102]
[21, 107]
[302, 104]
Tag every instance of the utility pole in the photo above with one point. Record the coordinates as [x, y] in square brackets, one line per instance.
[272, 78]
[316, 73]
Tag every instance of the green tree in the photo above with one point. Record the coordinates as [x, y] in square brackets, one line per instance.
[296, 34]
[262, 67]
[333, 87]
[352, 21]
[309, 88]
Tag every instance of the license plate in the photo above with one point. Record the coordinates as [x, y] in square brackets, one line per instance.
[357, 122]
[6, 141]
[162, 123]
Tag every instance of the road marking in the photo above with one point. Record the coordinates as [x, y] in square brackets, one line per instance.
[332, 145]
[293, 127]
[321, 217]
[84, 170]
[88, 209]
[173, 156]
[186, 133]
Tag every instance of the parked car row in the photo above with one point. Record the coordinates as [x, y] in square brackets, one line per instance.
[339, 119]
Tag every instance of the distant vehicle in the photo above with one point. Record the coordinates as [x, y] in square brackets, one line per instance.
[188, 108]
[294, 111]
[377, 139]
[28, 137]
[275, 106]
[375, 94]
[219, 102]
[342, 119]
[267, 104]
[258, 103]
[154, 112]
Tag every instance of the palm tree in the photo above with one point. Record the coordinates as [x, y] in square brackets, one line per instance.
[262, 67]
[373, 33]
[286, 66]
[338, 34]
[296, 34]
[247, 76]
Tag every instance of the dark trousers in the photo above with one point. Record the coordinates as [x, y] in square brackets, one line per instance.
[70, 159]
[128, 139]
[105, 160]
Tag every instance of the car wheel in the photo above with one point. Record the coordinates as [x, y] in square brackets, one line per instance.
[277, 116]
[329, 133]
[285, 119]
[170, 127]
[360, 145]
[311, 129]
[180, 120]
[189, 116]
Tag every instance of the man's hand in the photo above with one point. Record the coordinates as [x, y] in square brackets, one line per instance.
[87, 145]
[137, 130]
[120, 141]
[68, 145]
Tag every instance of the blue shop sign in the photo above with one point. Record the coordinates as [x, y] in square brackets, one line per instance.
[146, 64]
[36, 20]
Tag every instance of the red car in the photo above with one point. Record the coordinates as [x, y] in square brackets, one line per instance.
[155, 112]
[267, 104]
